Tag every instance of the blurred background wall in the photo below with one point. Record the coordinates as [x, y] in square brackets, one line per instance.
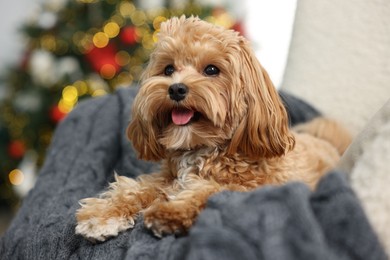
[13, 14]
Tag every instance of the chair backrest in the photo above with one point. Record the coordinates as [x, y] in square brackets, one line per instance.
[339, 58]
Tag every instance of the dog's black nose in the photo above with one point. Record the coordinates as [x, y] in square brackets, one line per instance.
[177, 91]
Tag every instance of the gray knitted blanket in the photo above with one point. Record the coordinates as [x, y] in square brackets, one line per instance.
[287, 222]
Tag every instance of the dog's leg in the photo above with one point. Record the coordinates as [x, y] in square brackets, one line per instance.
[114, 210]
[329, 130]
[177, 215]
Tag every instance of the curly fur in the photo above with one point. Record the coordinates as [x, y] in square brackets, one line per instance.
[238, 138]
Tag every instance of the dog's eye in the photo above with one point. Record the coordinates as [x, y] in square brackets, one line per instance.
[168, 71]
[211, 70]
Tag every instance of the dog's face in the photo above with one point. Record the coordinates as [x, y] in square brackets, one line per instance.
[203, 87]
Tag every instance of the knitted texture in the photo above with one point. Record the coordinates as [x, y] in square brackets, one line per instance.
[286, 222]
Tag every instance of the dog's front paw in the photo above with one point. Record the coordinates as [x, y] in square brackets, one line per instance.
[100, 229]
[98, 219]
[169, 218]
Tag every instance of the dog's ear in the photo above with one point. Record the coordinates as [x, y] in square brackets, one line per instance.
[142, 134]
[263, 131]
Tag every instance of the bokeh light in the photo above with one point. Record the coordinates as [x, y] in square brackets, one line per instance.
[16, 177]
[100, 39]
[111, 29]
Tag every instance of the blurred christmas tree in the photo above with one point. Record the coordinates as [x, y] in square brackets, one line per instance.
[75, 49]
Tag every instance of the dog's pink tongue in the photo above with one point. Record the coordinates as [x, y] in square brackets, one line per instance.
[181, 116]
